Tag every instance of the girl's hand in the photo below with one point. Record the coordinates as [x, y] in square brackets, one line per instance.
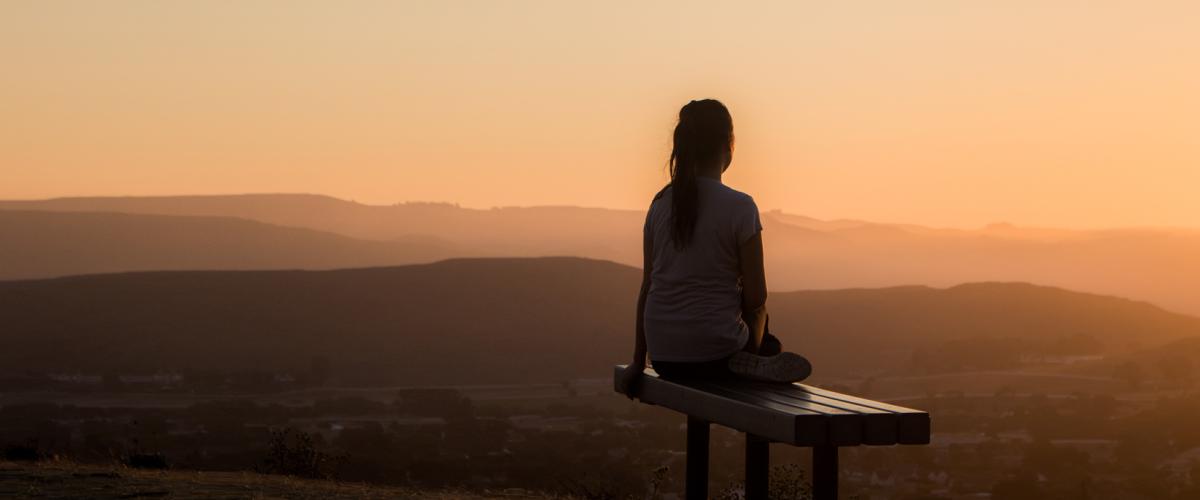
[631, 380]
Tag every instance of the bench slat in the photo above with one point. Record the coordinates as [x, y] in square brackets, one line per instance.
[857, 400]
[746, 417]
[797, 414]
[914, 425]
[879, 427]
[845, 428]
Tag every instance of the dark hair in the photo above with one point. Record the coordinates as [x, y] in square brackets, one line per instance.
[703, 135]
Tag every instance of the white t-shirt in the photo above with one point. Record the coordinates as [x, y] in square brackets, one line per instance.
[694, 307]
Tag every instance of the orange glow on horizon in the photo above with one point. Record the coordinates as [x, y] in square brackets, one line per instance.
[935, 112]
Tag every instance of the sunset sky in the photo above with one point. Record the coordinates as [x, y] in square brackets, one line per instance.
[948, 113]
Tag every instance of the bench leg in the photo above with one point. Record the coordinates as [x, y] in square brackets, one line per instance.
[825, 473]
[758, 460]
[697, 459]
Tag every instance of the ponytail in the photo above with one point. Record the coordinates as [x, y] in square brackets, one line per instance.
[704, 133]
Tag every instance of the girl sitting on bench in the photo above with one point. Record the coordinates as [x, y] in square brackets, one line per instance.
[701, 312]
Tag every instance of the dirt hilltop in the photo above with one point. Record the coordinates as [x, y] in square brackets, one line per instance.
[62, 480]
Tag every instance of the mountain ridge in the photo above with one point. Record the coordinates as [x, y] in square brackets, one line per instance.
[37, 244]
[525, 320]
[801, 252]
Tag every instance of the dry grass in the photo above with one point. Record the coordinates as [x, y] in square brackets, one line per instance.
[61, 480]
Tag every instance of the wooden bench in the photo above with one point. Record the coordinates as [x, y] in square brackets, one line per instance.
[796, 414]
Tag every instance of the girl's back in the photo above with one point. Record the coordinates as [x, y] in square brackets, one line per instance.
[694, 306]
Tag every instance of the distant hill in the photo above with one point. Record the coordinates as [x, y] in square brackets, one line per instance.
[973, 325]
[471, 321]
[499, 232]
[454, 321]
[1175, 361]
[1161, 265]
[36, 244]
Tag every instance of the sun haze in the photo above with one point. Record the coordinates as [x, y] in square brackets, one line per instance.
[943, 113]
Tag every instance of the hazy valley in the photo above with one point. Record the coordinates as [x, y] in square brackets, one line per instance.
[1157, 265]
[435, 347]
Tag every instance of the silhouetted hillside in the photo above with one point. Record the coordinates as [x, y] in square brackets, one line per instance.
[36, 244]
[494, 321]
[1175, 362]
[451, 322]
[1158, 265]
[498, 232]
[974, 325]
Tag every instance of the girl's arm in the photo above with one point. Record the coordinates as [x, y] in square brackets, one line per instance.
[639, 346]
[632, 376]
[754, 290]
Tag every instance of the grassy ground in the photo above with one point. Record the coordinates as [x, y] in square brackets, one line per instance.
[62, 480]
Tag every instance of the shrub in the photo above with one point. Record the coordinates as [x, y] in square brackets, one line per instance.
[146, 461]
[23, 453]
[787, 482]
[294, 453]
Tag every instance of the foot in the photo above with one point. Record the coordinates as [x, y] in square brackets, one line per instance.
[783, 367]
